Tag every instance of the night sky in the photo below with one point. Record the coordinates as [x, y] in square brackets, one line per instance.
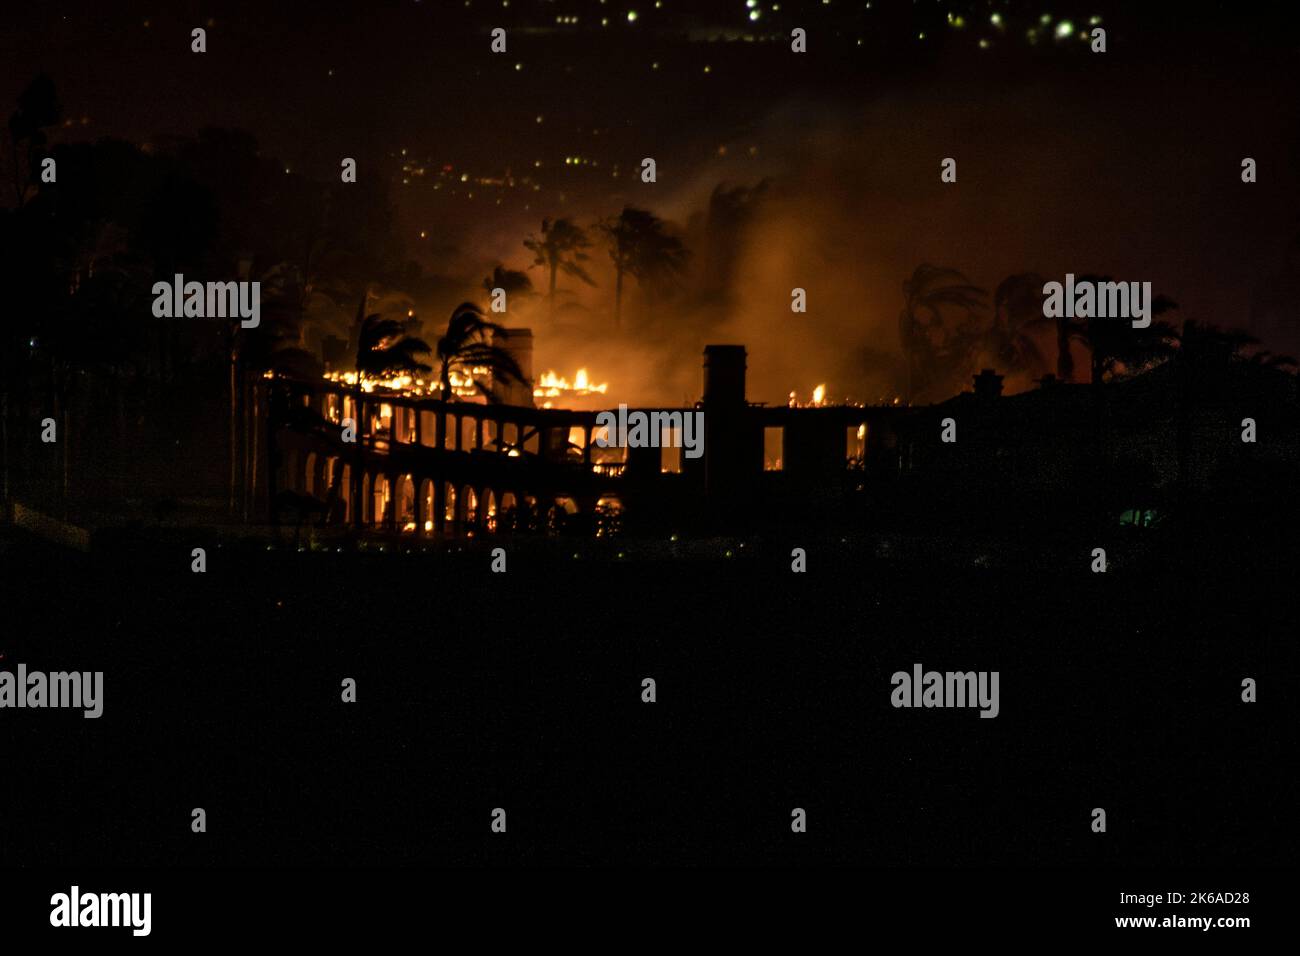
[1125, 163]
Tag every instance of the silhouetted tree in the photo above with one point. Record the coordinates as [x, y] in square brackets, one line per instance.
[560, 248]
[383, 350]
[466, 346]
[514, 283]
[1114, 343]
[1017, 306]
[640, 246]
[928, 344]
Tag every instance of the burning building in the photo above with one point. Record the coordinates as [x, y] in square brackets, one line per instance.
[425, 465]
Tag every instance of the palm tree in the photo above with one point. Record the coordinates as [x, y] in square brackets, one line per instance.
[1067, 331]
[383, 349]
[1017, 307]
[1113, 343]
[467, 346]
[560, 249]
[925, 294]
[514, 283]
[640, 246]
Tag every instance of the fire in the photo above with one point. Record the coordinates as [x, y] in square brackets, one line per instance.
[462, 385]
[818, 398]
[552, 385]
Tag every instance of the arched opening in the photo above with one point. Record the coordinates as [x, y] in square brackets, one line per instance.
[451, 524]
[560, 514]
[609, 516]
[508, 519]
[382, 505]
[490, 512]
[426, 504]
[469, 514]
[405, 504]
[309, 474]
[345, 492]
[366, 502]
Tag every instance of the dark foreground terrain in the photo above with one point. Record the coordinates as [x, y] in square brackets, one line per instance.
[523, 691]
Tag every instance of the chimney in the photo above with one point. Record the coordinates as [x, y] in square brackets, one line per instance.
[724, 375]
[519, 344]
[733, 439]
[988, 385]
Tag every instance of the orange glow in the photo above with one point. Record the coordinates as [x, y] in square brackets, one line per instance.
[553, 385]
[817, 401]
[462, 385]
